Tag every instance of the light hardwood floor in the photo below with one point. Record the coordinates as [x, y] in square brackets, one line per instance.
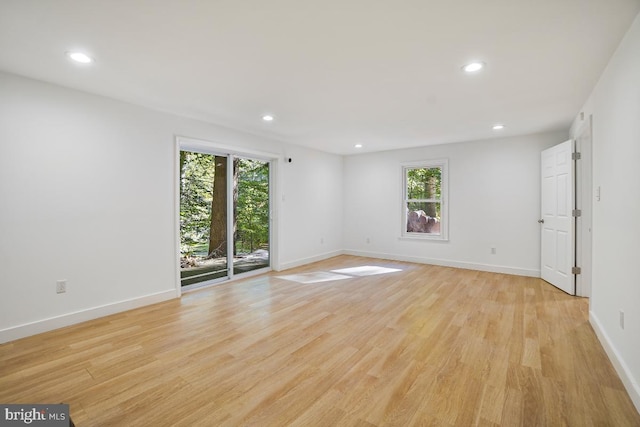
[425, 346]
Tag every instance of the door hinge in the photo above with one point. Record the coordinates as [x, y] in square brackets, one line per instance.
[576, 156]
[576, 212]
[576, 270]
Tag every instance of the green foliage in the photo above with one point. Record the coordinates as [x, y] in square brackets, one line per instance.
[424, 186]
[424, 183]
[252, 213]
[196, 193]
[197, 172]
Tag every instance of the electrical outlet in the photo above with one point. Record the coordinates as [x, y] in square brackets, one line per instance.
[61, 286]
[321, 240]
[493, 251]
[368, 240]
[622, 319]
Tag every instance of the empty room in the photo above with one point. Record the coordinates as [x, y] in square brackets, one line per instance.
[336, 213]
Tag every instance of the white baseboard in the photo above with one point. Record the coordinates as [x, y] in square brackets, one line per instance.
[45, 325]
[630, 383]
[309, 260]
[448, 263]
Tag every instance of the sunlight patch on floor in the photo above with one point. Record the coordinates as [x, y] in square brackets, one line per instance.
[341, 274]
[316, 277]
[366, 270]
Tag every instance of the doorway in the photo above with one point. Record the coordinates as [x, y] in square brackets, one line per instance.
[566, 211]
[224, 216]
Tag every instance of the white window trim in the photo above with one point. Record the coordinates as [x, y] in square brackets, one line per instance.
[444, 194]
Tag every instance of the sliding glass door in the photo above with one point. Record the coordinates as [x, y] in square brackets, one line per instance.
[251, 216]
[224, 216]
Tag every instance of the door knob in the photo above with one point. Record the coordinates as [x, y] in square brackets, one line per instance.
[541, 221]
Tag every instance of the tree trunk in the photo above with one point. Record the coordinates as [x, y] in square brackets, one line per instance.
[183, 159]
[218, 229]
[430, 187]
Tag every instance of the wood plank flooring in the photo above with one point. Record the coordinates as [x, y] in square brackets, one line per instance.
[428, 346]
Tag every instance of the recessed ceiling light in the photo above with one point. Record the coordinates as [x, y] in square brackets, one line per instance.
[358, 145]
[80, 57]
[498, 126]
[473, 67]
[267, 118]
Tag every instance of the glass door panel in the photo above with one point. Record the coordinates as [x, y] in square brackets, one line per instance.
[251, 215]
[203, 217]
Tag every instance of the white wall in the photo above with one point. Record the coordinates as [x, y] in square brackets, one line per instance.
[494, 201]
[312, 206]
[615, 107]
[87, 195]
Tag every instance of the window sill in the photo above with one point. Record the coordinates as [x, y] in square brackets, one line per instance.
[428, 237]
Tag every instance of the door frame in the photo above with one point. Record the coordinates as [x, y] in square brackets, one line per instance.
[211, 147]
[584, 201]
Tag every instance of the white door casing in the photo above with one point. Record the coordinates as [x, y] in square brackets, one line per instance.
[557, 224]
[583, 202]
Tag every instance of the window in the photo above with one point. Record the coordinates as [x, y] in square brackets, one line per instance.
[425, 207]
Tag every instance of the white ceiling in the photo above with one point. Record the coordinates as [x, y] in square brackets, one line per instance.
[334, 73]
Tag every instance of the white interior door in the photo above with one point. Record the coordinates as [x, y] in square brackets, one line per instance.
[557, 225]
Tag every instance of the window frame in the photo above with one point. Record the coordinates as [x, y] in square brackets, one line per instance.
[443, 165]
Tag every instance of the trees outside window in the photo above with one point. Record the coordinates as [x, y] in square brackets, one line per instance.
[252, 206]
[425, 206]
[205, 204]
